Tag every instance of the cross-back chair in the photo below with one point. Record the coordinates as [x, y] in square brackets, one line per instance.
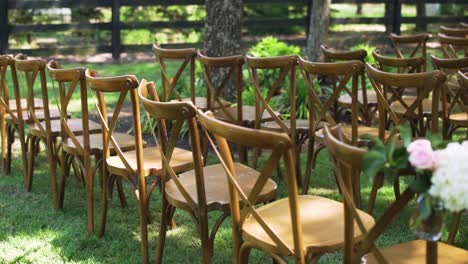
[366, 98]
[238, 113]
[410, 46]
[344, 73]
[198, 191]
[129, 165]
[401, 111]
[185, 58]
[9, 106]
[297, 227]
[348, 163]
[453, 47]
[44, 124]
[78, 146]
[454, 100]
[279, 75]
[460, 32]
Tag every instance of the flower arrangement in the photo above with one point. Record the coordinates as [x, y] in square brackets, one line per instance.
[441, 169]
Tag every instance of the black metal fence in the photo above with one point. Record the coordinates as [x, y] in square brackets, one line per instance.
[392, 20]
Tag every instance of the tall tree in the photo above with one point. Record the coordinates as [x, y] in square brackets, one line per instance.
[319, 21]
[223, 31]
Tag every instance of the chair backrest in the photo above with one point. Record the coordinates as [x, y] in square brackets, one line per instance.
[68, 80]
[121, 87]
[453, 47]
[274, 71]
[331, 55]
[28, 71]
[348, 162]
[394, 83]
[399, 65]
[279, 146]
[175, 113]
[184, 56]
[407, 46]
[216, 85]
[460, 32]
[343, 73]
[6, 62]
[452, 96]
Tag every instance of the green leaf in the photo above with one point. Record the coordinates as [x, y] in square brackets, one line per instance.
[421, 184]
[400, 157]
[374, 161]
[405, 134]
[424, 205]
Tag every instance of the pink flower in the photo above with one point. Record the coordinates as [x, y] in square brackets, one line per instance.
[421, 155]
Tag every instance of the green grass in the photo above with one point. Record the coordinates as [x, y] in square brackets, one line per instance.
[32, 232]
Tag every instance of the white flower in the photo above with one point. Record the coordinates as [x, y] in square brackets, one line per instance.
[450, 179]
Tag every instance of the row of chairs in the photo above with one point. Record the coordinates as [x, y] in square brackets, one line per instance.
[120, 156]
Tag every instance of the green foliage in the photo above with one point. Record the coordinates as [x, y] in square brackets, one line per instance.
[271, 46]
[368, 49]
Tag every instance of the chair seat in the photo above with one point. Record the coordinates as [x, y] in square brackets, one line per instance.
[216, 187]
[13, 106]
[459, 118]
[322, 222]
[345, 100]
[182, 160]
[126, 143]
[399, 109]
[202, 103]
[302, 125]
[54, 114]
[415, 252]
[362, 130]
[248, 114]
[75, 124]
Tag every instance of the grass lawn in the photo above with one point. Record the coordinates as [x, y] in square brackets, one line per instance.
[32, 232]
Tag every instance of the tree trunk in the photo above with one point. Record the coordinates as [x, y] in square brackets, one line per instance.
[223, 33]
[318, 27]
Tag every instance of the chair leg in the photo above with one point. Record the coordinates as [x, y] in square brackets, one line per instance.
[89, 184]
[204, 237]
[105, 202]
[53, 170]
[312, 154]
[30, 163]
[10, 140]
[244, 253]
[165, 211]
[396, 186]
[65, 171]
[454, 227]
[4, 136]
[378, 181]
[120, 190]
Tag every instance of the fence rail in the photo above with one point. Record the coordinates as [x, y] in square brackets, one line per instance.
[392, 20]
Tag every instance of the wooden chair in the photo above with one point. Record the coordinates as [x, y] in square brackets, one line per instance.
[275, 70]
[348, 162]
[367, 98]
[129, 165]
[460, 32]
[78, 146]
[44, 124]
[408, 46]
[344, 73]
[184, 57]
[414, 109]
[10, 107]
[301, 228]
[453, 97]
[198, 191]
[453, 47]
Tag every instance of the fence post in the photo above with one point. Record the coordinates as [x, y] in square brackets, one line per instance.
[4, 27]
[420, 14]
[388, 16]
[397, 17]
[116, 30]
